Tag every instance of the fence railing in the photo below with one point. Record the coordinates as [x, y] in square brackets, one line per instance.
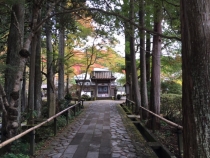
[75, 108]
[179, 128]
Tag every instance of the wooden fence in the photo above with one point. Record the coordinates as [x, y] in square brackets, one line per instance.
[76, 108]
[179, 128]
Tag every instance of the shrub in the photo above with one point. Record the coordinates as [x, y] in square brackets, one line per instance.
[119, 96]
[171, 107]
[63, 104]
[68, 96]
[171, 87]
[86, 97]
[11, 155]
[61, 122]
[19, 149]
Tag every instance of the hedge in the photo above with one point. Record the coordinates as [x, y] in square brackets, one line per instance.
[171, 107]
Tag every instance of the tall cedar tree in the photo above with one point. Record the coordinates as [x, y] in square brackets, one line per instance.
[135, 84]
[143, 82]
[155, 77]
[196, 81]
[15, 42]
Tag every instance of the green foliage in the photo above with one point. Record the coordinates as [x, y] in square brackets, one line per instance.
[61, 121]
[44, 110]
[171, 68]
[11, 155]
[27, 115]
[63, 104]
[20, 146]
[43, 133]
[19, 149]
[122, 80]
[171, 87]
[171, 107]
[86, 97]
[68, 96]
[112, 60]
[12, 2]
[171, 18]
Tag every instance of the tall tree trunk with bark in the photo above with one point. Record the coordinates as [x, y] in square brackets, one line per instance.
[32, 94]
[38, 76]
[23, 92]
[31, 88]
[135, 84]
[144, 98]
[67, 84]
[196, 81]
[148, 55]
[61, 59]
[128, 62]
[50, 73]
[155, 78]
[127, 52]
[15, 43]
[148, 44]
[10, 107]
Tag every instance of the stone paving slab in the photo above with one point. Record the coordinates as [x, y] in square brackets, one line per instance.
[100, 131]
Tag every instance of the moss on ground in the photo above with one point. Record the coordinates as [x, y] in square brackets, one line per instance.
[142, 148]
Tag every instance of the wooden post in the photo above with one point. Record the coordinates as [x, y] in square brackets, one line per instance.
[55, 126]
[132, 106]
[82, 103]
[180, 142]
[32, 142]
[128, 105]
[153, 124]
[67, 117]
[76, 107]
[74, 110]
[96, 89]
[79, 104]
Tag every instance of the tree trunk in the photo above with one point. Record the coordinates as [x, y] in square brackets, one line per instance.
[128, 61]
[86, 71]
[15, 43]
[10, 112]
[23, 92]
[148, 44]
[155, 78]
[148, 54]
[67, 84]
[143, 82]
[61, 60]
[196, 81]
[32, 95]
[50, 75]
[38, 76]
[31, 88]
[135, 84]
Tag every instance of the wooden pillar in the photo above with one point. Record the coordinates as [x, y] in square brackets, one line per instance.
[110, 88]
[96, 89]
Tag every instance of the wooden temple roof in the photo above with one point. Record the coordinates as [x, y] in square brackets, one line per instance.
[102, 75]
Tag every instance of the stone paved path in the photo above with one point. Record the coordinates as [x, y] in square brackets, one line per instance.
[98, 132]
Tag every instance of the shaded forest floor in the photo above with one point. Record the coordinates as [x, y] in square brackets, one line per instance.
[167, 135]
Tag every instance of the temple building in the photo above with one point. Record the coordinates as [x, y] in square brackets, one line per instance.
[99, 84]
